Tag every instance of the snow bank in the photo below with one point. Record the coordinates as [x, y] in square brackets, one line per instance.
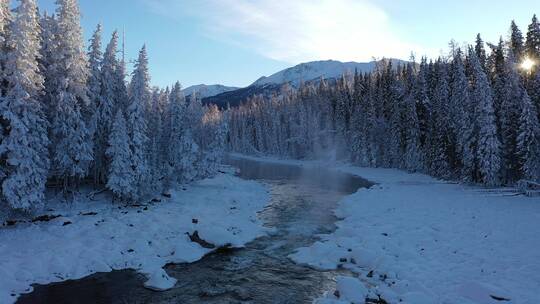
[414, 239]
[143, 238]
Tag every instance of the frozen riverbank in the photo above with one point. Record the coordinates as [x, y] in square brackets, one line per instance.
[95, 236]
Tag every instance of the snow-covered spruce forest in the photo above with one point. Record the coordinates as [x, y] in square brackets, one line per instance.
[69, 117]
[470, 116]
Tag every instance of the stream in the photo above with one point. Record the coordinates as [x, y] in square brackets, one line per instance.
[301, 207]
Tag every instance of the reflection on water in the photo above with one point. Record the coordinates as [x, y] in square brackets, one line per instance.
[312, 176]
[302, 201]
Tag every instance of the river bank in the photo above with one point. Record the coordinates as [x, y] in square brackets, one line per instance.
[95, 236]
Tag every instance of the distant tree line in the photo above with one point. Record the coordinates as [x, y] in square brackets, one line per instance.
[472, 115]
[68, 116]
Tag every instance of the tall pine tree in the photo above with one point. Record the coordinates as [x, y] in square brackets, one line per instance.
[95, 58]
[529, 140]
[106, 109]
[516, 40]
[25, 144]
[136, 119]
[72, 149]
[532, 43]
[121, 178]
[488, 146]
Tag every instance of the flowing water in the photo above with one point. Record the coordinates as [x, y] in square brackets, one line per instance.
[301, 207]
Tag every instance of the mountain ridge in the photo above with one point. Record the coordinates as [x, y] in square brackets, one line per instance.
[302, 73]
[205, 90]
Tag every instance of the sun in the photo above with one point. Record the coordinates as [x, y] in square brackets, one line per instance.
[528, 64]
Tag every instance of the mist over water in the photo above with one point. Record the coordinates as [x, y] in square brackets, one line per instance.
[301, 207]
[308, 176]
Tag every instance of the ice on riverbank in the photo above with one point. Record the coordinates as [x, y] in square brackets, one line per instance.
[144, 238]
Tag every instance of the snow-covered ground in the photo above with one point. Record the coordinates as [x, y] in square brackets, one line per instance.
[417, 240]
[144, 238]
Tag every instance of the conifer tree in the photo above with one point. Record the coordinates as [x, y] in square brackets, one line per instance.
[180, 156]
[488, 146]
[498, 77]
[423, 103]
[5, 23]
[106, 109]
[459, 105]
[72, 148]
[439, 135]
[534, 90]
[191, 159]
[528, 141]
[136, 119]
[516, 40]
[95, 58]
[48, 61]
[413, 157]
[480, 51]
[155, 128]
[532, 44]
[121, 176]
[511, 102]
[25, 145]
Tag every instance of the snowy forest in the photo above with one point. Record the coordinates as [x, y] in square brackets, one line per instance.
[471, 115]
[69, 117]
[337, 177]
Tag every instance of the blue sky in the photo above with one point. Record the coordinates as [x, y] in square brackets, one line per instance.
[233, 42]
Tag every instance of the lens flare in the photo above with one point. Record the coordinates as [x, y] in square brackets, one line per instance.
[528, 64]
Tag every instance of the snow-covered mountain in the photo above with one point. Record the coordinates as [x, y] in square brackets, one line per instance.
[306, 72]
[205, 91]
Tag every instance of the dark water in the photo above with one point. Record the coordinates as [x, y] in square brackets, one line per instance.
[302, 201]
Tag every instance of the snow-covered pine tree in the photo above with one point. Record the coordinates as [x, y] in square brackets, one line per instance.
[121, 179]
[72, 148]
[423, 103]
[95, 58]
[47, 61]
[393, 92]
[215, 129]
[497, 74]
[532, 44]
[488, 146]
[106, 108]
[25, 144]
[413, 156]
[510, 109]
[528, 141]
[480, 51]
[516, 40]
[358, 140]
[155, 127]
[180, 153]
[136, 120]
[192, 157]
[439, 139]
[534, 90]
[121, 87]
[164, 104]
[5, 23]
[459, 105]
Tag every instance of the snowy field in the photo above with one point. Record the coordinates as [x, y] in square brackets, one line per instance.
[92, 236]
[413, 239]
